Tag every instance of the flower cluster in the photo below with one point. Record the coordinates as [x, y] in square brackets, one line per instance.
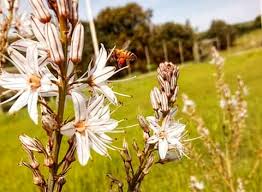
[163, 99]
[161, 132]
[223, 154]
[233, 105]
[167, 133]
[46, 66]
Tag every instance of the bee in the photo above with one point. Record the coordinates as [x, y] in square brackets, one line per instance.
[123, 57]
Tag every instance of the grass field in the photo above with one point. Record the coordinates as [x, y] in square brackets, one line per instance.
[195, 80]
[249, 40]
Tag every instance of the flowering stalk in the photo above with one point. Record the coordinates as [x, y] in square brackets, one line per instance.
[166, 136]
[5, 24]
[12, 25]
[46, 68]
[234, 110]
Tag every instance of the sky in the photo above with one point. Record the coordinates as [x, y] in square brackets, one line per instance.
[199, 12]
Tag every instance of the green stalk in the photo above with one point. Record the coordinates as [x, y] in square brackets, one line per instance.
[60, 111]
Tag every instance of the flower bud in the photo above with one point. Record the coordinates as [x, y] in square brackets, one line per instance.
[54, 43]
[63, 8]
[31, 144]
[173, 82]
[41, 10]
[161, 81]
[143, 123]
[48, 162]
[167, 89]
[38, 180]
[49, 123]
[73, 11]
[174, 96]
[157, 94]
[16, 4]
[154, 102]
[164, 103]
[77, 43]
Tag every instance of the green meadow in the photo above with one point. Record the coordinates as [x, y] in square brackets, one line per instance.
[197, 81]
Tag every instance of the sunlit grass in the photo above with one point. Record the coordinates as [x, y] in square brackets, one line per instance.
[197, 81]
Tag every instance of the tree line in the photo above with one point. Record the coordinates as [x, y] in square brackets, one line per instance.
[130, 26]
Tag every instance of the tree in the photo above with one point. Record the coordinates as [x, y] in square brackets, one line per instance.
[224, 32]
[169, 35]
[118, 25]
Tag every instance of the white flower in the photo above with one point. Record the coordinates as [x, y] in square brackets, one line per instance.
[222, 103]
[38, 30]
[32, 81]
[167, 136]
[92, 122]
[21, 25]
[196, 184]
[98, 75]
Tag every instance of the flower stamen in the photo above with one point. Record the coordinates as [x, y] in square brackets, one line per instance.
[34, 82]
[80, 126]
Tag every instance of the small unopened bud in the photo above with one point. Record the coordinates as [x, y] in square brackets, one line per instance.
[161, 81]
[61, 181]
[73, 11]
[54, 43]
[6, 4]
[173, 82]
[38, 180]
[49, 162]
[143, 123]
[148, 164]
[31, 144]
[16, 4]
[34, 164]
[135, 146]
[125, 145]
[77, 43]
[157, 94]
[154, 102]
[49, 123]
[41, 10]
[167, 89]
[70, 155]
[38, 29]
[174, 96]
[164, 102]
[63, 8]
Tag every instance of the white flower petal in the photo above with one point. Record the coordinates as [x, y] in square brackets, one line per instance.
[83, 148]
[175, 129]
[162, 148]
[102, 58]
[79, 105]
[98, 145]
[47, 86]
[32, 59]
[32, 106]
[13, 81]
[99, 126]
[18, 59]
[103, 75]
[68, 129]
[23, 44]
[153, 124]
[153, 139]
[107, 91]
[20, 102]
[104, 113]
[94, 104]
